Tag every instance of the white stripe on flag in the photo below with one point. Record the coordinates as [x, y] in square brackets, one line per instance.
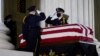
[59, 28]
[57, 35]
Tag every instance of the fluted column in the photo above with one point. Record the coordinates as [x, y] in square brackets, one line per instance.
[79, 11]
[4, 38]
[1, 10]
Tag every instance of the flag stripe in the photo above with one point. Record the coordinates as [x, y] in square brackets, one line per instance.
[66, 39]
[62, 26]
[63, 30]
[56, 35]
[59, 28]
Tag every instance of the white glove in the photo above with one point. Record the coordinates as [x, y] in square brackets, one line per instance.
[54, 16]
[38, 11]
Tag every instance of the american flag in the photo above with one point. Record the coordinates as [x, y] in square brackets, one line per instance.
[64, 34]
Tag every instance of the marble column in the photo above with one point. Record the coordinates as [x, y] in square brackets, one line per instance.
[4, 38]
[1, 10]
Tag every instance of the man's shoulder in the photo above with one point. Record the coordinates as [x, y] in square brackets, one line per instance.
[65, 15]
[30, 16]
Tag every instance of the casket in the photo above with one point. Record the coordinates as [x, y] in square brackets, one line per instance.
[65, 34]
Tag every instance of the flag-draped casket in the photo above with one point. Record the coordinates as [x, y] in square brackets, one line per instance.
[59, 35]
[66, 34]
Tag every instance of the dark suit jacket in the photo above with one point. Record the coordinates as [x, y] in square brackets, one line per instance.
[32, 22]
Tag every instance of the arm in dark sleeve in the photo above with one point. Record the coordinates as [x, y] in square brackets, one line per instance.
[48, 20]
[42, 15]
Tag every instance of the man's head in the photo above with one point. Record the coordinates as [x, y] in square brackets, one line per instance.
[8, 17]
[32, 8]
[59, 11]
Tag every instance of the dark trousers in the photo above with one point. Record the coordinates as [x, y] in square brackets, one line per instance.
[32, 37]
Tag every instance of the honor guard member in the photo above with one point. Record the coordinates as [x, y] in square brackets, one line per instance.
[31, 29]
[58, 18]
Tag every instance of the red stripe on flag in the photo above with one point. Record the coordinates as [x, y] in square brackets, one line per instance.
[91, 31]
[63, 30]
[86, 31]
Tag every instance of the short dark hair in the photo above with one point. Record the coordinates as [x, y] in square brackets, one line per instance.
[8, 17]
[32, 8]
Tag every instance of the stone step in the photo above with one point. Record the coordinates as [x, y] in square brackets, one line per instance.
[5, 52]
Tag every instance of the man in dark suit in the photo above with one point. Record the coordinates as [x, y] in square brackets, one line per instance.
[31, 29]
[11, 24]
